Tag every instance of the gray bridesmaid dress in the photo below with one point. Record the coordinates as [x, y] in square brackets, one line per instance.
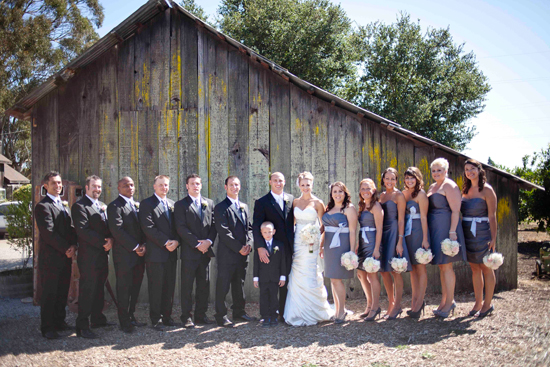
[413, 240]
[476, 246]
[332, 256]
[390, 235]
[439, 225]
[366, 249]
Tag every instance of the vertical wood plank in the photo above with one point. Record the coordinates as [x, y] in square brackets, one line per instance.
[168, 149]
[423, 157]
[125, 75]
[336, 148]
[353, 157]
[160, 62]
[375, 156]
[319, 143]
[366, 148]
[298, 145]
[88, 124]
[68, 95]
[148, 165]
[206, 61]
[405, 158]
[142, 68]
[175, 59]
[128, 144]
[279, 129]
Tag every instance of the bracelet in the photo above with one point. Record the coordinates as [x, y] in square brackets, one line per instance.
[452, 232]
[400, 235]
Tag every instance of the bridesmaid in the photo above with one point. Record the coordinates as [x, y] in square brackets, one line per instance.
[370, 237]
[393, 244]
[479, 205]
[416, 236]
[444, 222]
[339, 220]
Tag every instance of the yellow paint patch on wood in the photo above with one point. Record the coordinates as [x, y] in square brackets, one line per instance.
[460, 181]
[503, 209]
[298, 124]
[424, 167]
[374, 156]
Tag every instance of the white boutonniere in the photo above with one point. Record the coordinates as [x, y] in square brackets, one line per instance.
[275, 249]
[65, 203]
[241, 207]
[103, 208]
[136, 205]
[287, 203]
[204, 204]
[171, 208]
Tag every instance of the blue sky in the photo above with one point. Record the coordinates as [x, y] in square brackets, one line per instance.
[511, 40]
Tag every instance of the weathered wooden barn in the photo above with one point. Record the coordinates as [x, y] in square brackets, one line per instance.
[165, 93]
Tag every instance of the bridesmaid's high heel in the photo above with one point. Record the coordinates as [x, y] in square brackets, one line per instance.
[395, 316]
[363, 315]
[486, 313]
[473, 312]
[377, 313]
[416, 314]
[444, 315]
[342, 320]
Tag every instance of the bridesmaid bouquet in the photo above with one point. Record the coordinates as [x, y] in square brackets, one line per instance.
[309, 235]
[493, 260]
[423, 256]
[450, 248]
[349, 260]
[371, 265]
[399, 265]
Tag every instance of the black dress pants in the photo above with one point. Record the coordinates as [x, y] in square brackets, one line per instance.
[191, 271]
[55, 282]
[128, 284]
[230, 276]
[161, 280]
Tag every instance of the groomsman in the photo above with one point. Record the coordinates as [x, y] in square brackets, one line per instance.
[194, 217]
[57, 243]
[157, 222]
[95, 241]
[128, 252]
[276, 207]
[234, 245]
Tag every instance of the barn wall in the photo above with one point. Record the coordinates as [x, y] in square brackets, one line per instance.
[173, 99]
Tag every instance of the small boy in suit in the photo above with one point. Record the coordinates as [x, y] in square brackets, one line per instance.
[269, 277]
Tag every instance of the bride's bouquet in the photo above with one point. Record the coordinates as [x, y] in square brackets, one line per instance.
[349, 260]
[493, 260]
[399, 264]
[310, 235]
[423, 256]
[371, 265]
[450, 248]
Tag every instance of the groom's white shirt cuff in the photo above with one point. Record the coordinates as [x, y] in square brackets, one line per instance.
[256, 279]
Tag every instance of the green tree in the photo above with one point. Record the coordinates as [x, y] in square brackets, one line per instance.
[194, 8]
[19, 227]
[37, 38]
[423, 81]
[310, 38]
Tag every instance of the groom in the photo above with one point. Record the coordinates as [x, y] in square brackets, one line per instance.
[276, 207]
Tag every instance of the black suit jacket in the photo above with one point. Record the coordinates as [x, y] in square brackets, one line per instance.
[92, 231]
[191, 228]
[233, 232]
[277, 264]
[157, 229]
[267, 209]
[126, 230]
[56, 234]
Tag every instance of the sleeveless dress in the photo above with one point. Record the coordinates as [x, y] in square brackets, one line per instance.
[390, 236]
[439, 224]
[306, 301]
[413, 223]
[366, 248]
[477, 246]
[333, 265]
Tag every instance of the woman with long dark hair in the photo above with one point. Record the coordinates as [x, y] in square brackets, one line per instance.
[340, 222]
[479, 222]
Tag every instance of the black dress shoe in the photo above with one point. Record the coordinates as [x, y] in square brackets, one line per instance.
[128, 329]
[188, 324]
[266, 322]
[135, 322]
[158, 326]
[105, 324]
[203, 321]
[86, 333]
[51, 335]
[225, 322]
[274, 322]
[170, 322]
[64, 327]
[244, 317]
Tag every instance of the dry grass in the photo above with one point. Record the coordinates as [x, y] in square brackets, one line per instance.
[518, 334]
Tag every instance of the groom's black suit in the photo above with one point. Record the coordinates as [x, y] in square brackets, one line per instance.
[267, 209]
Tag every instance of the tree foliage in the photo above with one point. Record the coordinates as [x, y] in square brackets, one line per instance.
[423, 81]
[194, 8]
[19, 227]
[310, 38]
[37, 38]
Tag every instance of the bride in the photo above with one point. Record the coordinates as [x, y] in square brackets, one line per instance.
[306, 302]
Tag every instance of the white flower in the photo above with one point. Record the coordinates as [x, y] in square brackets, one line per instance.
[371, 265]
[310, 234]
[349, 260]
[423, 256]
[494, 260]
[136, 204]
[241, 206]
[204, 204]
[450, 248]
[275, 249]
[103, 208]
[399, 265]
[65, 203]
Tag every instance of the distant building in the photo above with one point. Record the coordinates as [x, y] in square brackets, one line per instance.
[10, 179]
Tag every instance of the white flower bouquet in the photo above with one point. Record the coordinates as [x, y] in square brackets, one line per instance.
[399, 264]
[371, 265]
[349, 260]
[310, 235]
[493, 260]
[423, 256]
[450, 248]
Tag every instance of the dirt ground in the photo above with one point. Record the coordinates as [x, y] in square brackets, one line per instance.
[517, 334]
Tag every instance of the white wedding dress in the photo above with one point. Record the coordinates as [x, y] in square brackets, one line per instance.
[306, 301]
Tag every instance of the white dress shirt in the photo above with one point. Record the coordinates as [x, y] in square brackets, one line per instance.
[280, 199]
